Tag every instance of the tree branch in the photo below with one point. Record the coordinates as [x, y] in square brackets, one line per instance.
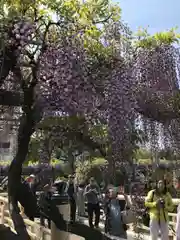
[104, 20]
[81, 137]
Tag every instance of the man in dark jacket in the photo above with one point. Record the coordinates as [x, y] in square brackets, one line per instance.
[33, 183]
[71, 190]
[92, 193]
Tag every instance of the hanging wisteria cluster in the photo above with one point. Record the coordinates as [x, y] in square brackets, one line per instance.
[121, 115]
[64, 81]
[157, 77]
[73, 85]
[22, 33]
[16, 35]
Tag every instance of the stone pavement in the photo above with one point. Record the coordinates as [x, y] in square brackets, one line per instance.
[131, 235]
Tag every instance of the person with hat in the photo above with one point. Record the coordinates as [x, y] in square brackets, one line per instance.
[32, 183]
[92, 193]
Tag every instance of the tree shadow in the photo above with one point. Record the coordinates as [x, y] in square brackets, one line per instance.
[7, 234]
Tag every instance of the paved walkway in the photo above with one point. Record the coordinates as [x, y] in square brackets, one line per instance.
[131, 234]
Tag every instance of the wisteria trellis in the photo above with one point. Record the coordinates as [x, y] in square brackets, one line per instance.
[144, 85]
[141, 81]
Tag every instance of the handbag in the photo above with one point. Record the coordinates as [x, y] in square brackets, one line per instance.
[128, 216]
[146, 218]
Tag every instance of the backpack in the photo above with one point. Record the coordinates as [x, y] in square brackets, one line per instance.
[145, 216]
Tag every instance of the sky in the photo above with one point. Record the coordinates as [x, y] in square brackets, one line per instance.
[157, 15]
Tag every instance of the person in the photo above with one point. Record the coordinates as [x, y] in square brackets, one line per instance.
[159, 203]
[112, 208]
[177, 186]
[148, 186]
[124, 201]
[32, 183]
[169, 184]
[81, 200]
[103, 186]
[44, 204]
[123, 198]
[92, 193]
[27, 199]
[71, 190]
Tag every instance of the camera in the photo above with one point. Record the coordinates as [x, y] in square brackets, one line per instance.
[161, 201]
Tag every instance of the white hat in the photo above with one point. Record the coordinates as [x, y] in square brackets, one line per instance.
[32, 176]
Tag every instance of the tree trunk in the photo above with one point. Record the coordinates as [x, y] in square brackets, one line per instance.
[26, 128]
[46, 149]
[14, 176]
[71, 161]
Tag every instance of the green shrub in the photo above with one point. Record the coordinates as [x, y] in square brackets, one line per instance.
[5, 163]
[87, 169]
[144, 161]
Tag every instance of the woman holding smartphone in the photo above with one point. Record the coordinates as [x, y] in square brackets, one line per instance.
[113, 222]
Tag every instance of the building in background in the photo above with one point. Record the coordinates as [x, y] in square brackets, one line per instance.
[7, 147]
[9, 122]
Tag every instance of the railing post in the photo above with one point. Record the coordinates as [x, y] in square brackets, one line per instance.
[174, 219]
[41, 233]
[56, 234]
[2, 209]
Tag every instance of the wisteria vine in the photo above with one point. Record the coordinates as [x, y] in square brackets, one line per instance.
[129, 83]
[141, 83]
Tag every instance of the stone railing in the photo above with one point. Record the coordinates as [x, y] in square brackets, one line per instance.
[38, 232]
[35, 231]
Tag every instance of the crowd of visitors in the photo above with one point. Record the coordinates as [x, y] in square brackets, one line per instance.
[116, 204]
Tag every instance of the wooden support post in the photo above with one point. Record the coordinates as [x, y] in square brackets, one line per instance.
[2, 210]
[41, 233]
[56, 234]
[174, 219]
